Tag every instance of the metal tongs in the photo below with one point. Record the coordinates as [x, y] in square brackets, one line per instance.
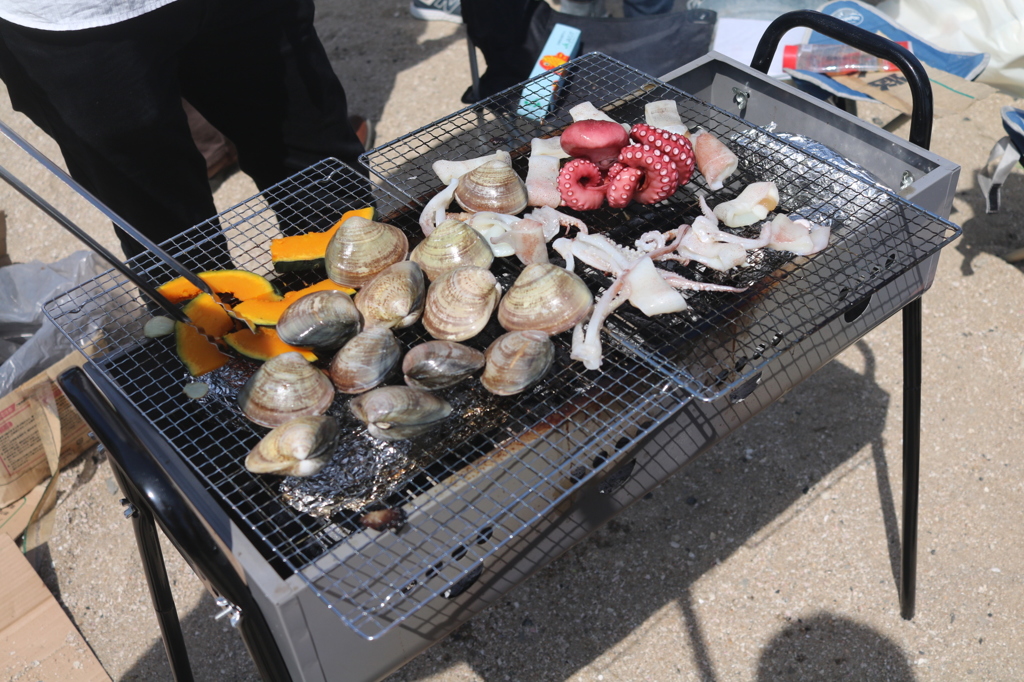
[146, 287]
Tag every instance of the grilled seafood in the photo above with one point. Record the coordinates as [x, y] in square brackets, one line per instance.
[452, 244]
[362, 248]
[323, 320]
[284, 387]
[398, 412]
[494, 186]
[299, 447]
[545, 297]
[754, 203]
[439, 364]
[516, 361]
[715, 161]
[365, 361]
[460, 303]
[394, 298]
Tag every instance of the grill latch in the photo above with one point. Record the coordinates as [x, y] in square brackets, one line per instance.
[232, 612]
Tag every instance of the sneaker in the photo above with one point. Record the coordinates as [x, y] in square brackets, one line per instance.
[437, 10]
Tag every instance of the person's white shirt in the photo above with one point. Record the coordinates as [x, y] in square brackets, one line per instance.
[74, 15]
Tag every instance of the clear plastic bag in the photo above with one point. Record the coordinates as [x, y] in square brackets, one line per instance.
[29, 343]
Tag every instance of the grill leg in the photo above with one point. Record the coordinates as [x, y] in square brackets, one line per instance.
[159, 586]
[911, 453]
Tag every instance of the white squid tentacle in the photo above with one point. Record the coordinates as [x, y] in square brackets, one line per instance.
[680, 282]
[434, 212]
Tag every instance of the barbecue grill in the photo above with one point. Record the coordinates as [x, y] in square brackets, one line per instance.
[514, 481]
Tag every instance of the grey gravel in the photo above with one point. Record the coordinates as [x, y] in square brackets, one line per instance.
[774, 557]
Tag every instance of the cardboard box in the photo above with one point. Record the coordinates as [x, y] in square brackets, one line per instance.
[15, 517]
[37, 639]
[36, 419]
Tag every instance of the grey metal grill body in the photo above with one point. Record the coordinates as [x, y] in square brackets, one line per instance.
[494, 521]
[319, 649]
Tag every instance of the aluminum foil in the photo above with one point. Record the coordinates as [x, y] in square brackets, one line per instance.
[840, 185]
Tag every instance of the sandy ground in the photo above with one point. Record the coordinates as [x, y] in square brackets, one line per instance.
[774, 557]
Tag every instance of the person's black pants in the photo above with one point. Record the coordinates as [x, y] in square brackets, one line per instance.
[111, 98]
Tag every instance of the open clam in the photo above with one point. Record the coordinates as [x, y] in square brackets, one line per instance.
[397, 412]
[452, 244]
[545, 297]
[516, 361]
[299, 447]
[459, 304]
[284, 387]
[324, 320]
[361, 248]
[494, 186]
[365, 361]
[394, 298]
[439, 364]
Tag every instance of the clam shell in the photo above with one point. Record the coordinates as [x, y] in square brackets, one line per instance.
[394, 298]
[299, 447]
[459, 304]
[452, 244]
[545, 297]
[324, 320]
[397, 412]
[365, 361]
[516, 361]
[439, 364]
[494, 186]
[284, 387]
[361, 248]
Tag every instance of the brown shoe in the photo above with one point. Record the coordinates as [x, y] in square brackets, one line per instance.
[364, 130]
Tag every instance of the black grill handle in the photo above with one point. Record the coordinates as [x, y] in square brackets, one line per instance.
[865, 41]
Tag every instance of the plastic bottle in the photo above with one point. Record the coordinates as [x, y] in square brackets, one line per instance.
[833, 58]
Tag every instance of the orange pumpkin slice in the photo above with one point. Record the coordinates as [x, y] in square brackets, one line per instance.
[263, 344]
[240, 284]
[266, 312]
[303, 252]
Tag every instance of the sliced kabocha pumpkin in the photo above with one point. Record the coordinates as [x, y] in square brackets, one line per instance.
[239, 284]
[263, 344]
[303, 252]
[266, 311]
[199, 354]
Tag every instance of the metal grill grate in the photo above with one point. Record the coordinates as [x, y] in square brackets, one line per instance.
[725, 339]
[493, 471]
[501, 464]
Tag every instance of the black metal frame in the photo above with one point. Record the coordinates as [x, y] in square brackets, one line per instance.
[921, 135]
[187, 514]
[191, 518]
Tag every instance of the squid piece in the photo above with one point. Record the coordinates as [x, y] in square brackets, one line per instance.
[650, 292]
[493, 226]
[453, 170]
[715, 161]
[527, 239]
[434, 212]
[554, 221]
[542, 172]
[664, 114]
[799, 236]
[586, 111]
[754, 203]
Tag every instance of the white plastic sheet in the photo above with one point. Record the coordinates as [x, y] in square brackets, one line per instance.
[995, 27]
[24, 288]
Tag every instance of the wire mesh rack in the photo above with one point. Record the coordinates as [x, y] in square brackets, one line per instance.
[724, 339]
[461, 493]
[499, 465]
